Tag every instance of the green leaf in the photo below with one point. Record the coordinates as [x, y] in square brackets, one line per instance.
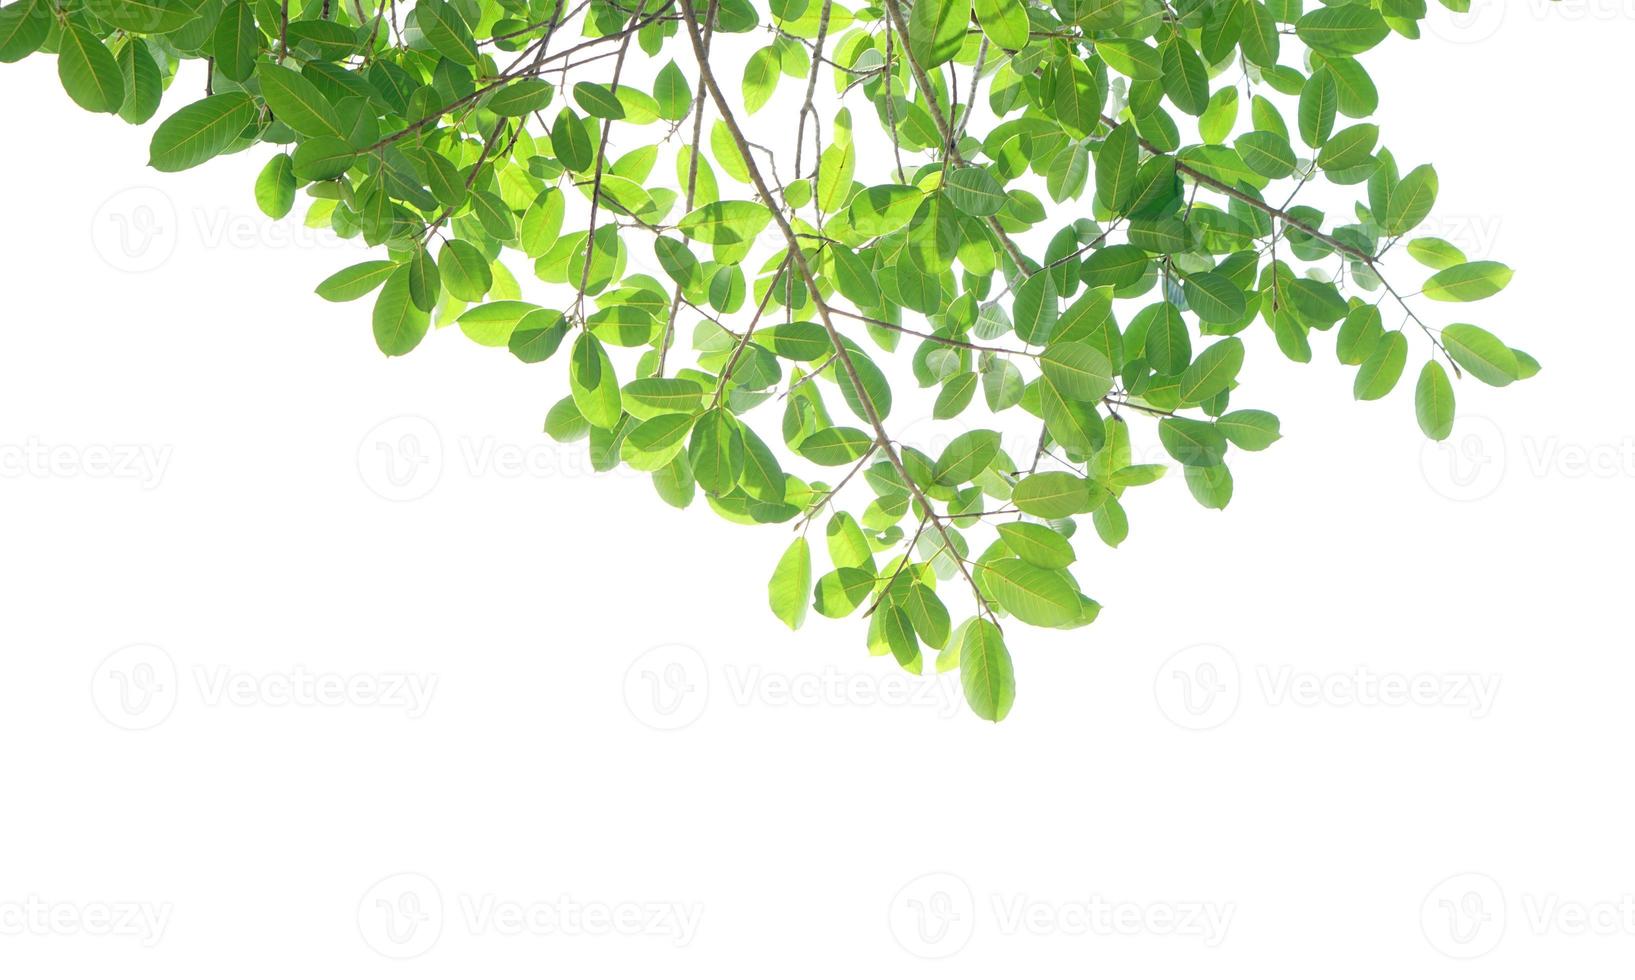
[974, 191]
[716, 452]
[399, 324]
[521, 97]
[24, 26]
[985, 670]
[537, 336]
[356, 282]
[571, 142]
[1192, 442]
[1349, 147]
[1078, 370]
[1467, 282]
[726, 222]
[88, 71]
[593, 384]
[1411, 201]
[446, 31]
[1004, 21]
[790, 584]
[1052, 495]
[466, 273]
[298, 103]
[1341, 30]
[275, 187]
[1379, 374]
[143, 16]
[236, 42]
[1116, 168]
[1213, 372]
[1482, 354]
[1435, 252]
[936, 30]
[1249, 429]
[200, 131]
[1037, 544]
[835, 445]
[673, 92]
[883, 209]
[647, 397]
[966, 456]
[1037, 596]
[597, 100]
[1433, 402]
[761, 75]
[492, 324]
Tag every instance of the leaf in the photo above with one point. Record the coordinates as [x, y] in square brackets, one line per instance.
[297, 102]
[936, 30]
[466, 273]
[1467, 282]
[24, 26]
[1341, 30]
[1411, 201]
[275, 187]
[1052, 495]
[200, 131]
[1482, 354]
[446, 31]
[1379, 374]
[985, 670]
[1037, 596]
[761, 75]
[492, 324]
[673, 92]
[882, 209]
[1116, 168]
[592, 383]
[1213, 372]
[835, 446]
[597, 100]
[399, 324]
[571, 142]
[1005, 22]
[1192, 442]
[716, 452]
[142, 16]
[966, 456]
[1249, 429]
[520, 97]
[88, 71]
[1078, 370]
[1037, 544]
[236, 42]
[726, 222]
[974, 191]
[1433, 402]
[790, 584]
[356, 282]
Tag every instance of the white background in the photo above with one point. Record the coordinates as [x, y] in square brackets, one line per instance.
[602, 723]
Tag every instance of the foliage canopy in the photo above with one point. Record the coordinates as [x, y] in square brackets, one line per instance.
[843, 188]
